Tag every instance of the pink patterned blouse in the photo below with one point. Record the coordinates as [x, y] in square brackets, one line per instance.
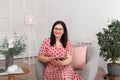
[58, 72]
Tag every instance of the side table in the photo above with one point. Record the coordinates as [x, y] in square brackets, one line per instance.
[12, 76]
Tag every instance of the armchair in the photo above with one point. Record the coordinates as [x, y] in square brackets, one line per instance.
[88, 72]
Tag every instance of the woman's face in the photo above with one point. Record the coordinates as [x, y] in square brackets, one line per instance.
[58, 31]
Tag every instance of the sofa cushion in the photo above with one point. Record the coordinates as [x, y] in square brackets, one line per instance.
[79, 57]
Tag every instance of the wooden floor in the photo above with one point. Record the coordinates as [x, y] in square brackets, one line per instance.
[32, 76]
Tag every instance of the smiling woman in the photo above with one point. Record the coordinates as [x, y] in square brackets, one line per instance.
[56, 52]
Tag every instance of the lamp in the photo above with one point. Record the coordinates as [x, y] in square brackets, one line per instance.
[30, 22]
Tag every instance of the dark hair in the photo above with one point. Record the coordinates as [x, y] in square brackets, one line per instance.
[64, 37]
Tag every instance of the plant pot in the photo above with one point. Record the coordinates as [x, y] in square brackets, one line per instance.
[8, 61]
[113, 69]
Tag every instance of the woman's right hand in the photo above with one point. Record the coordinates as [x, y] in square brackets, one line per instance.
[43, 58]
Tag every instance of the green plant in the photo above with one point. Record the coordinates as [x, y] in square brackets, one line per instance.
[109, 42]
[14, 46]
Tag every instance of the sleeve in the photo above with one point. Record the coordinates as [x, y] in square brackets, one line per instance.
[43, 48]
[69, 48]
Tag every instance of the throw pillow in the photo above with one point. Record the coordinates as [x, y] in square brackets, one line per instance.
[79, 57]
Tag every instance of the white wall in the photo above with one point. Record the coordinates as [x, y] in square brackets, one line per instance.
[13, 16]
[84, 18]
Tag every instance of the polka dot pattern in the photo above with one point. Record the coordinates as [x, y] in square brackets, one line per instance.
[58, 72]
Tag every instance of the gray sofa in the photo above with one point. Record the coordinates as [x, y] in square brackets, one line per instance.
[88, 72]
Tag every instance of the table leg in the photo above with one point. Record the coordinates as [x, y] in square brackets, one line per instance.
[11, 77]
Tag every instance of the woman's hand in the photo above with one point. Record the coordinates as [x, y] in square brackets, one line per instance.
[43, 58]
[68, 60]
[57, 62]
[62, 61]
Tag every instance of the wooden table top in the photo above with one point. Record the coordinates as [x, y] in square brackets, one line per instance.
[25, 71]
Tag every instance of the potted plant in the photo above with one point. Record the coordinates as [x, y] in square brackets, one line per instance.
[12, 47]
[109, 42]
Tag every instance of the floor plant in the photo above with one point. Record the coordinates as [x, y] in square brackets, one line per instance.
[109, 42]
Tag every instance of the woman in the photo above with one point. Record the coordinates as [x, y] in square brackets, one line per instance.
[57, 51]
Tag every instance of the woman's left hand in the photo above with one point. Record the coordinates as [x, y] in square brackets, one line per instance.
[57, 62]
[60, 62]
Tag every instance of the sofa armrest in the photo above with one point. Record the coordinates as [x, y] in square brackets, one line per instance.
[90, 70]
[39, 70]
